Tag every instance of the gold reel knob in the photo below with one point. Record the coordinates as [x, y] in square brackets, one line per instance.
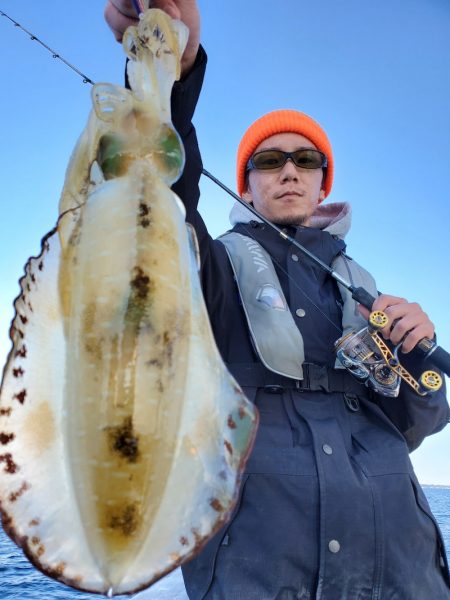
[430, 381]
[378, 319]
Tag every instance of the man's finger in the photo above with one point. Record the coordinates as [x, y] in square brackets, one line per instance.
[117, 20]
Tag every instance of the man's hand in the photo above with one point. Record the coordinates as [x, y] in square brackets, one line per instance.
[120, 14]
[406, 320]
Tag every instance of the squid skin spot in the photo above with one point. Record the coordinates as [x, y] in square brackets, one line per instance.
[175, 557]
[5, 412]
[242, 412]
[30, 307]
[23, 488]
[5, 438]
[228, 446]
[197, 537]
[144, 212]
[143, 209]
[34, 522]
[28, 287]
[231, 423]
[124, 441]
[216, 505]
[59, 569]
[10, 465]
[40, 266]
[77, 581]
[155, 362]
[21, 333]
[22, 352]
[40, 551]
[223, 475]
[8, 523]
[21, 396]
[126, 522]
[184, 541]
[24, 319]
[18, 372]
[168, 346]
[141, 283]
[33, 278]
[35, 540]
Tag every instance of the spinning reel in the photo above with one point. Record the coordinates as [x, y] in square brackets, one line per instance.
[369, 359]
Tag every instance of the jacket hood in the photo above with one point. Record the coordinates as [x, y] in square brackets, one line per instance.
[334, 217]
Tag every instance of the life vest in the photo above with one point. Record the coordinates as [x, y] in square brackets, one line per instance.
[275, 335]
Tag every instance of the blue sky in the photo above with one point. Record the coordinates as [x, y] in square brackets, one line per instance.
[376, 75]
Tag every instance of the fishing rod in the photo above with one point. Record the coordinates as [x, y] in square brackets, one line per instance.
[54, 54]
[428, 349]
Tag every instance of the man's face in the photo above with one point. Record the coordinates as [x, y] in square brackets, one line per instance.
[287, 195]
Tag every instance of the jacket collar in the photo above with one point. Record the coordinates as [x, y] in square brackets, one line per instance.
[334, 218]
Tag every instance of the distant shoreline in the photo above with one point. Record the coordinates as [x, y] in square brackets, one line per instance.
[435, 485]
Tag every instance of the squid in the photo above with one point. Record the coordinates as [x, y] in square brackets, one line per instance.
[122, 434]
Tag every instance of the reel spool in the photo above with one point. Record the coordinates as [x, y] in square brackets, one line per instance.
[369, 359]
[358, 353]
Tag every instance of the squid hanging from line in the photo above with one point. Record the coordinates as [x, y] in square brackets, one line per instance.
[122, 435]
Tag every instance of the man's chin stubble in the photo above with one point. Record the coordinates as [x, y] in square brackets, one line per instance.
[293, 220]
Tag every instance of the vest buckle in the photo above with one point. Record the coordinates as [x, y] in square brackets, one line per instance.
[315, 379]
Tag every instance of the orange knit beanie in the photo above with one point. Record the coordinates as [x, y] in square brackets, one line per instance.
[283, 121]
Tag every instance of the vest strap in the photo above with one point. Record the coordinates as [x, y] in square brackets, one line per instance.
[316, 378]
[273, 331]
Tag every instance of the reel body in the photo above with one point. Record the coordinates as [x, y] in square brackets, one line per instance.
[367, 356]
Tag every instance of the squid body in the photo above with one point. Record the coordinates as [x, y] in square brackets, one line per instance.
[122, 435]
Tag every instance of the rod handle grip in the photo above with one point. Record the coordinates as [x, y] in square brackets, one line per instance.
[363, 297]
[440, 358]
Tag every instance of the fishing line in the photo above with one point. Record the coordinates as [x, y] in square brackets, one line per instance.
[428, 348]
[54, 54]
[296, 285]
[139, 8]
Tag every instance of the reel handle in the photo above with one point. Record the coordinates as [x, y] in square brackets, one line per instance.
[437, 356]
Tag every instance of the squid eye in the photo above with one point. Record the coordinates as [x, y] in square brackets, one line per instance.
[111, 157]
[170, 154]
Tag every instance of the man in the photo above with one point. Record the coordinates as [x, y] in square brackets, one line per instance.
[329, 507]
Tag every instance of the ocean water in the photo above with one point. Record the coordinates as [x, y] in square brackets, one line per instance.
[19, 580]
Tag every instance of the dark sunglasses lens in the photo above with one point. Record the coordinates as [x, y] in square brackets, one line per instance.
[308, 159]
[268, 159]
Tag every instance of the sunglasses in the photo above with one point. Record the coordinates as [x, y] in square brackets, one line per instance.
[307, 158]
